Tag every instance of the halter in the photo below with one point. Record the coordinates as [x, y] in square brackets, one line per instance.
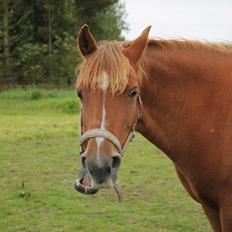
[103, 133]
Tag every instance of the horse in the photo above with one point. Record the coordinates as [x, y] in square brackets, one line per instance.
[177, 94]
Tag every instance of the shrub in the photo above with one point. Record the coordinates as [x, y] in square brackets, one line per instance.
[68, 105]
[35, 94]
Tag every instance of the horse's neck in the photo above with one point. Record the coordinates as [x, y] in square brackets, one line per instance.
[177, 92]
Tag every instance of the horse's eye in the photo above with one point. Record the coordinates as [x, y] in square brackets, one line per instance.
[79, 94]
[132, 93]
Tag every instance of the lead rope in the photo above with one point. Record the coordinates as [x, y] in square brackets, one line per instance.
[118, 190]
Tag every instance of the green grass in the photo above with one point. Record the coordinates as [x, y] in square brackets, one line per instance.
[39, 161]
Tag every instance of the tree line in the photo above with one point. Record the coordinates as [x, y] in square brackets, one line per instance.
[38, 37]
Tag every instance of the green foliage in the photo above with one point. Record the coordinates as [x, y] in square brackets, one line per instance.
[42, 37]
[30, 62]
[106, 18]
[35, 95]
[67, 106]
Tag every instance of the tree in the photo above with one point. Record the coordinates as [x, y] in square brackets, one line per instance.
[38, 38]
[105, 17]
[6, 32]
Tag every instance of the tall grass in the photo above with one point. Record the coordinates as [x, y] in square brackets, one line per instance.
[40, 100]
[36, 93]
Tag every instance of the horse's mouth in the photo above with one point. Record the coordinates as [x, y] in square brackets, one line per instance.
[83, 185]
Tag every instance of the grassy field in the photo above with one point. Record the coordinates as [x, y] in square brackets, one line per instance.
[39, 161]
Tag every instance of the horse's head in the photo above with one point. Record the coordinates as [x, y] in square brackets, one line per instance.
[108, 87]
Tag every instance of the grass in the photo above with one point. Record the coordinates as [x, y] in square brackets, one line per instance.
[39, 161]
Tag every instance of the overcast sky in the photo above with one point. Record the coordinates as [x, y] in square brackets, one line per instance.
[195, 19]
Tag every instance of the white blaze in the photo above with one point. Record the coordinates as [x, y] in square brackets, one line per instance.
[103, 85]
[104, 82]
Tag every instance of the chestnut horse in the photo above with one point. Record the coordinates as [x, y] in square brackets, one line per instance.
[178, 95]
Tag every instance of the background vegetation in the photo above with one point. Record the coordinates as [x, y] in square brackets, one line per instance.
[38, 38]
[39, 161]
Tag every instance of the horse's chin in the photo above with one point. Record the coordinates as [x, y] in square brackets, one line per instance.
[107, 184]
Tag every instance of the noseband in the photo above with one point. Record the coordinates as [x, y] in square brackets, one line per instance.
[105, 134]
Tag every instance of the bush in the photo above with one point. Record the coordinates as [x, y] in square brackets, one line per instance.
[35, 94]
[68, 105]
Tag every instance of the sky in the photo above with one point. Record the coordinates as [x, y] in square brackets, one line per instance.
[191, 19]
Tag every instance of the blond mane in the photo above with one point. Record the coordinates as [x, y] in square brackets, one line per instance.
[110, 59]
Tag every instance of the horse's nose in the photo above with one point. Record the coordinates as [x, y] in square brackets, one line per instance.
[100, 175]
[102, 169]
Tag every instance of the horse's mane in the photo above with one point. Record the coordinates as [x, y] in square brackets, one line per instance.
[110, 59]
[183, 44]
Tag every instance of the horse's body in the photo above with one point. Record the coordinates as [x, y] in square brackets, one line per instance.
[186, 111]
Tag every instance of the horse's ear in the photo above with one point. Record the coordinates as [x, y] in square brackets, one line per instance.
[85, 41]
[135, 49]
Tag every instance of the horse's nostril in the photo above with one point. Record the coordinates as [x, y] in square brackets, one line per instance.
[116, 161]
[83, 160]
[108, 170]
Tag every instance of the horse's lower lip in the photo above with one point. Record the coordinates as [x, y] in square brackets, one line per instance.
[87, 189]
[80, 187]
